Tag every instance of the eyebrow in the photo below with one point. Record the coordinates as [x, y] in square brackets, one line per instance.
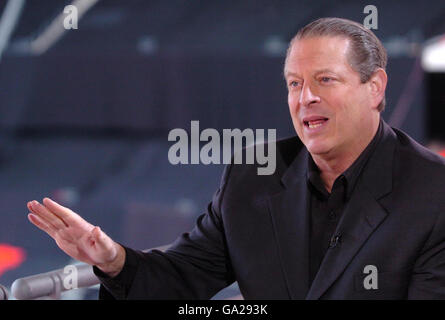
[326, 70]
[287, 74]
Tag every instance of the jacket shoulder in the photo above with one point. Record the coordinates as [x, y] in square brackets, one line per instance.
[419, 170]
[277, 156]
[412, 150]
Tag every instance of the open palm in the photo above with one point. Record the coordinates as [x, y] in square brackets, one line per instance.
[75, 236]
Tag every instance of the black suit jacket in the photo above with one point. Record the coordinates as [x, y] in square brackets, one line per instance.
[256, 232]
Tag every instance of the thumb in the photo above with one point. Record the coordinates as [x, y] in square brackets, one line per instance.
[99, 236]
[103, 251]
[102, 240]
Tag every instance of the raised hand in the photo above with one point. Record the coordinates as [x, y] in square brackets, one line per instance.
[77, 237]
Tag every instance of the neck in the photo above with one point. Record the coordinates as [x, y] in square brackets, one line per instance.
[333, 164]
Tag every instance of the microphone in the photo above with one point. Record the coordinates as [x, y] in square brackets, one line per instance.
[335, 241]
[53, 283]
[4, 294]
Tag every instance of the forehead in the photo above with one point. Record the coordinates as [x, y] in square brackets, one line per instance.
[318, 53]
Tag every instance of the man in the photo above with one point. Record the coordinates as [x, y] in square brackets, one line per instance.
[355, 209]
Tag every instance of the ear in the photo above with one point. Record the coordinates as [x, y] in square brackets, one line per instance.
[377, 84]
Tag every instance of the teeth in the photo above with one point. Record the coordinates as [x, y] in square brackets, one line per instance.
[312, 126]
[315, 124]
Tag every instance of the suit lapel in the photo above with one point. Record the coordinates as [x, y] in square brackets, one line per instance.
[362, 215]
[290, 220]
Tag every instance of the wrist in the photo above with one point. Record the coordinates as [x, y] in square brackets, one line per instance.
[115, 266]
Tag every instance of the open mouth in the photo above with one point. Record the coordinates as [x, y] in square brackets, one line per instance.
[312, 124]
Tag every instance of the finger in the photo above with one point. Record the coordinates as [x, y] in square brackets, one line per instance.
[31, 207]
[35, 220]
[28, 205]
[50, 218]
[66, 214]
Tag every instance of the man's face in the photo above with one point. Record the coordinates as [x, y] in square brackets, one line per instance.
[330, 108]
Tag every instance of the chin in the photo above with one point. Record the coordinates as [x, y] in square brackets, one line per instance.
[317, 148]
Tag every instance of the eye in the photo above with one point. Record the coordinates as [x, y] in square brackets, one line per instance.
[294, 84]
[326, 79]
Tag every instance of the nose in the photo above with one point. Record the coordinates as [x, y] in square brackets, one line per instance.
[307, 96]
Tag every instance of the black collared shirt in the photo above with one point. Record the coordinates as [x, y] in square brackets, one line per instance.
[325, 209]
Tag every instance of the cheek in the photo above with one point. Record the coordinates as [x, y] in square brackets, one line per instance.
[351, 115]
[291, 101]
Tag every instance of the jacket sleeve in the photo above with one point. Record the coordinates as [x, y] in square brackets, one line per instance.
[428, 279]
[196, 266]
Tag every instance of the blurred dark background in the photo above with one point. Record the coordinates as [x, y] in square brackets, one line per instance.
[86, 120]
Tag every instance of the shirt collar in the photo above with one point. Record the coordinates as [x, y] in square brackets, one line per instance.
[350, 176]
